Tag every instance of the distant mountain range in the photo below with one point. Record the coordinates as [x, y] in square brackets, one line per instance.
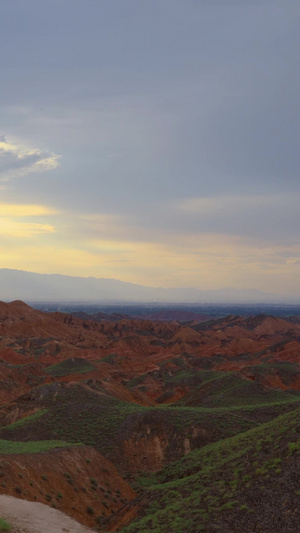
[32, 287]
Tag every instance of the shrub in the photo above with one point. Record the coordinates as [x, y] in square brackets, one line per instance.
[4, 526]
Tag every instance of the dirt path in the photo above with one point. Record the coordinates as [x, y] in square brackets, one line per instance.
[31, 517]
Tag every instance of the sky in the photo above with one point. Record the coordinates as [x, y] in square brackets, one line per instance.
[152, 141]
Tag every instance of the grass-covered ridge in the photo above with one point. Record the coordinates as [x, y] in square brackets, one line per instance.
[203, 376]
[15, 447]
[103, 421]
[70, 366]
[228, 389]
[27, 419]
[76, 414]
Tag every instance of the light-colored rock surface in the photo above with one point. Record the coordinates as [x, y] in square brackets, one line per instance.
[31, 517]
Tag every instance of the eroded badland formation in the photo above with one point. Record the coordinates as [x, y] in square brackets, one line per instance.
[138, 425]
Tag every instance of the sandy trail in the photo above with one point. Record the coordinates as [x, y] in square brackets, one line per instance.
[31, 517]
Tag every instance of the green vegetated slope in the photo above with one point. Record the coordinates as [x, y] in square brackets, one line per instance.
[79, 414]
[31, 446]
[206, 388]
[287, 371]
[27, 420]
[233, 479]
[286, 367]
[227, 389]
[249, 482]
[70, 366]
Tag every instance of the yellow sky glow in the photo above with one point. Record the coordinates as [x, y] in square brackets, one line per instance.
[108, 246]
[13, 228]
[20, 210]
[210, 261]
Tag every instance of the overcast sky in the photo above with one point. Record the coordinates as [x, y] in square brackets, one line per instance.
[152, 141]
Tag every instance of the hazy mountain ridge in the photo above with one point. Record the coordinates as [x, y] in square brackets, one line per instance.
[34, 287]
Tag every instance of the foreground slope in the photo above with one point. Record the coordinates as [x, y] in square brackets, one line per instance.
[34, 516]
[250, 482]
[76, 480]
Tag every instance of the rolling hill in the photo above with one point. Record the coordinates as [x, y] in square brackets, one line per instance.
[135, 425]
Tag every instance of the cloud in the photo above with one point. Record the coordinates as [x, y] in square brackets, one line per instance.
[25, 210]
[11, 228]
[273, 216]
[14, 221]
[229, 204]
[18, 160]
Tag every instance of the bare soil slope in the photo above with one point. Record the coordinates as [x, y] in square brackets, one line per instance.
[37, 517]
